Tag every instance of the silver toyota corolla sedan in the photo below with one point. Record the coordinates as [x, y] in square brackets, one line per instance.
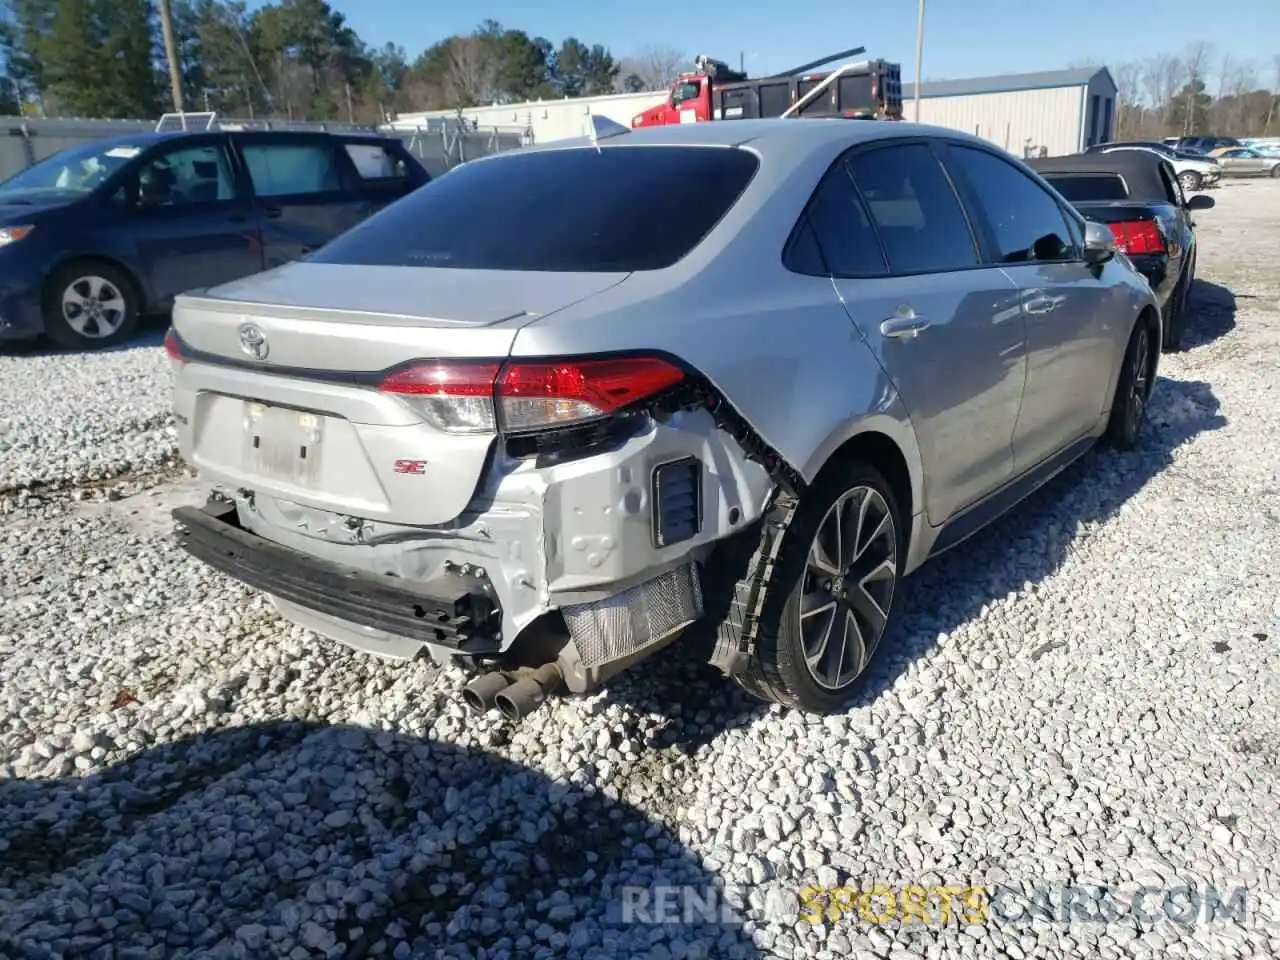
[559, 404]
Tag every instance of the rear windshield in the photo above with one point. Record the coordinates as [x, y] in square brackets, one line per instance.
[617, 209]
[1084, 187]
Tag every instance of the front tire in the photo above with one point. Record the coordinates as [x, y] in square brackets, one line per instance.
[1275, 172]
[834, 592]
[1190, 181]
[90, 305]
[1133, 389]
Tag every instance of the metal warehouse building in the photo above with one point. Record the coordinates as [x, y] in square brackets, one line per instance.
[1057, 111]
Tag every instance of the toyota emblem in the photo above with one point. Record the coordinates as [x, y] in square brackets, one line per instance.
[254, 342]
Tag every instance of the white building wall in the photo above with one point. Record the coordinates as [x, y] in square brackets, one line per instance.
[1051, 118]
[549, 119]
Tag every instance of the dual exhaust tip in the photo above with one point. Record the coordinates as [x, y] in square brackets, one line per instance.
[516, 695]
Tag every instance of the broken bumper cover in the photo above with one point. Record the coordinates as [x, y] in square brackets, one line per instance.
[453, 611]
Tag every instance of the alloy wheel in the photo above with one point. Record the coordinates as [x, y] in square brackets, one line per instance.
[93, 307]
[1139, 377]
[847, 587]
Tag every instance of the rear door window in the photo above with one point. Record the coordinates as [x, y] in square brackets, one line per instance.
[577, 209]
[291, 169]
[837, 224]
[915, 211]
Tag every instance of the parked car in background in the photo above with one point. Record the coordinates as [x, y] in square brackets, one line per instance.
[99, 235]
[1137, 196]
[1193, 172]
[1204, 144]
[563, 402]
[1246, 162]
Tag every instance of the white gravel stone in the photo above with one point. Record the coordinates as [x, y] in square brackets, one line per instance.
[1086, 694]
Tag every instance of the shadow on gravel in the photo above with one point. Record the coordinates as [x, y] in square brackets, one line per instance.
[150, 334]
[1212, 315]
[256, 841]
[1025, 546]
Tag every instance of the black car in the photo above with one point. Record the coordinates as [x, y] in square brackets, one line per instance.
[1157, 145]
[98, 235]
[1137, 195]
[1205, 145]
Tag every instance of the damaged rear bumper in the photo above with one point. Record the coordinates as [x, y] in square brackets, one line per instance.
[453, 610]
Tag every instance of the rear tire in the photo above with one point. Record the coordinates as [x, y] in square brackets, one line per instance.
[1175, 320]
[830, 602]
[89, 305]
[1190, 181]
[1133, 389]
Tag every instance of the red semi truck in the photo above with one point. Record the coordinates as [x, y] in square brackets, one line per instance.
[871, 89]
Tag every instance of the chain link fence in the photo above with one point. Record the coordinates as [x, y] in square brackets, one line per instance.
[440, 143]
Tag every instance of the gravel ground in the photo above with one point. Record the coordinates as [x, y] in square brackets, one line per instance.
[1086, 694]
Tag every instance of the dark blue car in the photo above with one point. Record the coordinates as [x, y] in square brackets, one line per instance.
[99, 235]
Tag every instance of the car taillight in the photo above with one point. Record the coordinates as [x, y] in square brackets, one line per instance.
[522, 397]
[1138, 236]
[173, 346]
[456, 397]
[537, 396]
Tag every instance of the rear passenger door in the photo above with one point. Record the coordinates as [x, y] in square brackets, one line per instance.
[1023, 230]
[301, 196]
[945, 327]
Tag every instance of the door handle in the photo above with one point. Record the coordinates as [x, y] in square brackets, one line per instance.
[1039, 305]
[272, 213]
[903, 326]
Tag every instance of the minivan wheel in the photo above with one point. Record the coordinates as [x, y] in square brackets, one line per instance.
[1190, 181]
[833, 594]
[90, 305]
[1133, 390]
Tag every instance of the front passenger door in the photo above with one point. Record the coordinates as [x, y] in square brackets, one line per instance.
[188, 216]
[1069, 322]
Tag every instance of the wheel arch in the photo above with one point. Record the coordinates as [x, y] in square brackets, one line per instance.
[887, 443]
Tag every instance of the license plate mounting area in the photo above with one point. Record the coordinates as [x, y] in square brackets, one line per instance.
[282, 443]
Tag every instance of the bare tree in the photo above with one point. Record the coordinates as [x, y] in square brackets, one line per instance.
[470, 73]
[1275, 95]
[1227, 70]
[1128, 77]
[1196, 59]
[1161, 78]
[655, 65]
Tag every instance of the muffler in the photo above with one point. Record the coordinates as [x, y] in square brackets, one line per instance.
[479, 694]
[529, 693]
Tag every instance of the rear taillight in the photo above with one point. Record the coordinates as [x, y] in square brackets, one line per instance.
[524, 397]
[173, 346]
[538, 396]
[456, 397]
[1138, 236]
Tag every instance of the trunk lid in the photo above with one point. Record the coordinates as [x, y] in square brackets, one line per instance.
[279, 391]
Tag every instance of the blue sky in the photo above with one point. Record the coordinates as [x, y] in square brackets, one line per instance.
[963, 38]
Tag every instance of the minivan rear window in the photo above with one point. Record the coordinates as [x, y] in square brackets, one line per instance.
[615, 209]
[1088, 187]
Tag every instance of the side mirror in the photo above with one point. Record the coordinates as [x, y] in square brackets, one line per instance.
[1099, 243]
[1200, 201]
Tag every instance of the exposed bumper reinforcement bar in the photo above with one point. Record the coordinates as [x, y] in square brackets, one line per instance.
[451, 610]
